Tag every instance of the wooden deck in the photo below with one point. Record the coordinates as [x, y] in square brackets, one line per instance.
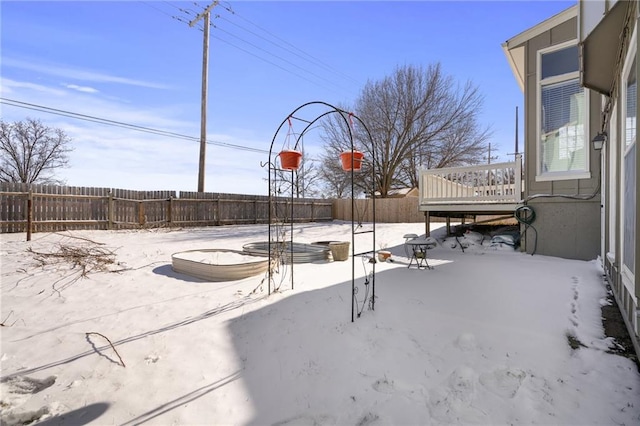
[488, 189]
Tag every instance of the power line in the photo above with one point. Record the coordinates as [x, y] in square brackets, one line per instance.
[188, 11]
[313, 59]
[272, 63]
[151, 5]
[129, 126]
[340, 89]
[276, 56]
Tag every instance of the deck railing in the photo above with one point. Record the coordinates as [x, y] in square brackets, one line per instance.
[499, 183]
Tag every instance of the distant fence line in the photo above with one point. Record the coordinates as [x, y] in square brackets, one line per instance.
[388, 210]
[49, 208]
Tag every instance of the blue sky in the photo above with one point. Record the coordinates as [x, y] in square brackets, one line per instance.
[139, 62]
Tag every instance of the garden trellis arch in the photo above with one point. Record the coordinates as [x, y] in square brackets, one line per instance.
[276, 240]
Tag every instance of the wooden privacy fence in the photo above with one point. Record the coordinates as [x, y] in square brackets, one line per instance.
[55, 208]
[388, 210]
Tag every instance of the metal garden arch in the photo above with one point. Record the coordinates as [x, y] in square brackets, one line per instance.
[275, 245]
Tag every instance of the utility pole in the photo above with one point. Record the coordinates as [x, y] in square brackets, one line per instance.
[517, 153]
[489, 157]
[516, 130]
[517, 147]
[206, 15]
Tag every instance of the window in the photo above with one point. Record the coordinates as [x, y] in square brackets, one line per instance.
[629, 85]
[562, 115]
[631, 91]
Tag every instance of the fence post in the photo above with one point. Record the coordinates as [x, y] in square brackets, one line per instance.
[218, 210]
[313, 212]
[170, 210]
[141, 220]
[29, 214]
[110, 212]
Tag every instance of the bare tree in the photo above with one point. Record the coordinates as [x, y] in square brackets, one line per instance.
[416, 117]
[337, 183]
[31, 152]
[463, 143]
[307, 179]
[303, 182]
[337, 128]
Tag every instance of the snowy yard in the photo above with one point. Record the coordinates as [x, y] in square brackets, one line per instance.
[482, 338]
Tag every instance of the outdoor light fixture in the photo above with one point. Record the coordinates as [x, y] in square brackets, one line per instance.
[599, 140]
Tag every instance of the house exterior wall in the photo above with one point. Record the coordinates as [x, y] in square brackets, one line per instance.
[626, 289]
[565, 227]
[634, 306]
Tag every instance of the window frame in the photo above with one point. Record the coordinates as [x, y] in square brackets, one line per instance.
[540, 83]
[624, 76]
[628, 276]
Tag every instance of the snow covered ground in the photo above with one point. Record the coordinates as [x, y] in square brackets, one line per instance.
[482, 338]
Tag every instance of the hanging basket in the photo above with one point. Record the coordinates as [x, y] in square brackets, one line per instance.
[290, 159]
[351, 157]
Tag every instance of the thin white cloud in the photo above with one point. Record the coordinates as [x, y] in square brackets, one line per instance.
[170, 117]
[108, 156]
[78, 74]
[84, 89]
[8, 86]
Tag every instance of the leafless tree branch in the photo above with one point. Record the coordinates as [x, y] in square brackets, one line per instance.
[31, 152]
[417, 117]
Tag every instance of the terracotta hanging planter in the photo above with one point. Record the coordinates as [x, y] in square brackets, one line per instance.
[351, 158]
[290, 159]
